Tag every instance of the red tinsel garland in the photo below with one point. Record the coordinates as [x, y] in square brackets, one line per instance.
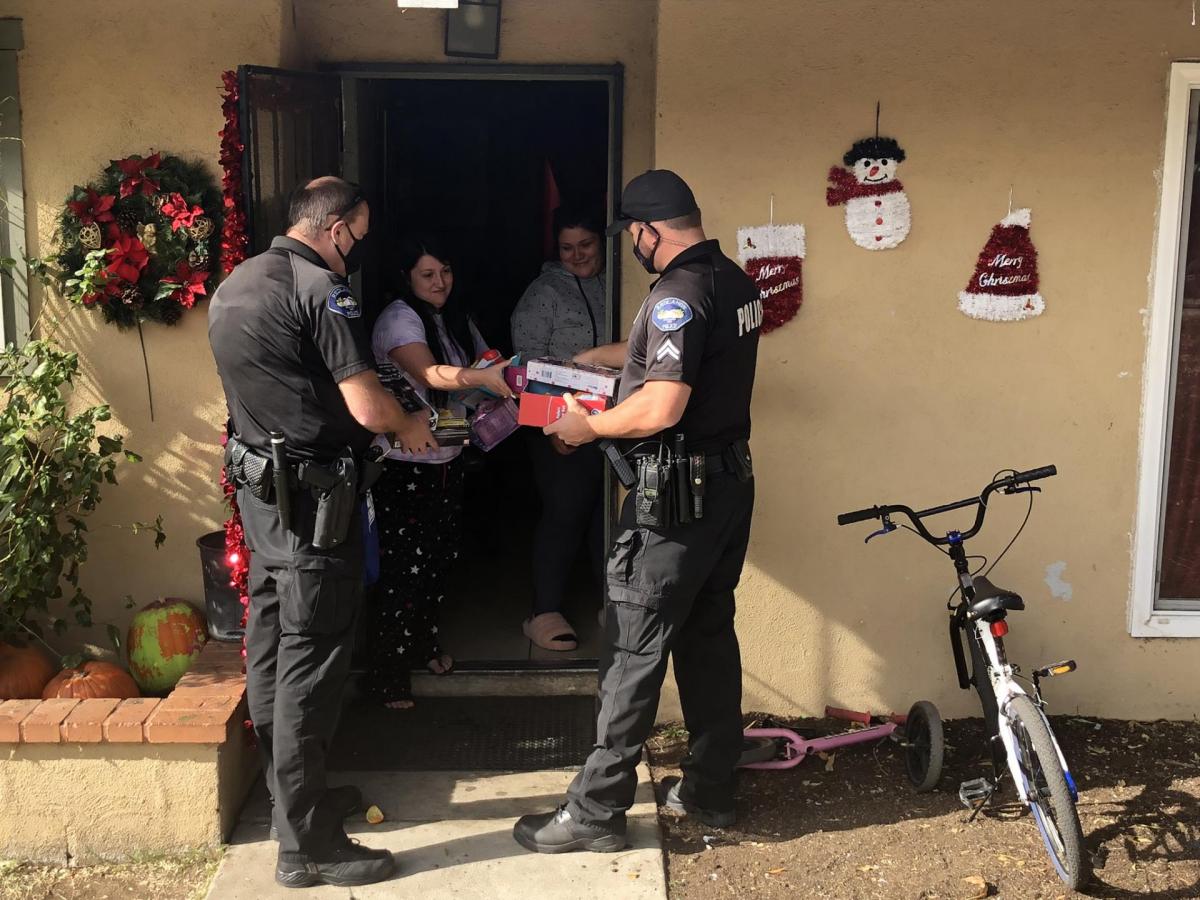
[233, 233]
[233, 251]
[237, 555]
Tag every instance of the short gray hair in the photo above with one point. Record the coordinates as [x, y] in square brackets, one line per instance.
[313, 202]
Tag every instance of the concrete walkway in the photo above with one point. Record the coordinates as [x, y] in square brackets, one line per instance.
[452, 836]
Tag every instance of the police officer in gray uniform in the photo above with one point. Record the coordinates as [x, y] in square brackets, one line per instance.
[683, 420]
[304, 401]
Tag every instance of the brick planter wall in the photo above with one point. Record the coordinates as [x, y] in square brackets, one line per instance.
[83, 780]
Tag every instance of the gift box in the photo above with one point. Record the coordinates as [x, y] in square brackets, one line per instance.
[574, 376]
[494, 420]
[539, 410]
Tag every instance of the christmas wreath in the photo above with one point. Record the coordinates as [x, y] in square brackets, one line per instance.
[140, 242]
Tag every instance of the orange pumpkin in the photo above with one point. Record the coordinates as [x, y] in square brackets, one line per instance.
[92, 679]
[24, 671]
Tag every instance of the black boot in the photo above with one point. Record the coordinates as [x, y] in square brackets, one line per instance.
[678, 801]
[349, 864]
[557, 832]
[347, 798]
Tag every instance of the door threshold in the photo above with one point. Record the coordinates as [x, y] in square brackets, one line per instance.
[507, 679]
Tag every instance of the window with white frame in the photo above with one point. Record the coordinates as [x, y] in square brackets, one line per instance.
[14, 275]
[1166, 585]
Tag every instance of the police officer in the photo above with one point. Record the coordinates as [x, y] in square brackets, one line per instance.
[688, 375]
[295, 359]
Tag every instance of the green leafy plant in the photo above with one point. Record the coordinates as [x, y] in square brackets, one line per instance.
[53, 465]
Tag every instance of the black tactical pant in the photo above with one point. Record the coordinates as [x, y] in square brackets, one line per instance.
[670, 592]
[304, 604]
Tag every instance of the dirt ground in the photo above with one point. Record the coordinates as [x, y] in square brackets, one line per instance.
[852, 826]
[185, 877]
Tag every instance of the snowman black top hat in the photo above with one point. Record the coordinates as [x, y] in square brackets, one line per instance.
[874, 148]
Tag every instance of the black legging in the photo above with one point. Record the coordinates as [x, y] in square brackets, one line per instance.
[572, 492]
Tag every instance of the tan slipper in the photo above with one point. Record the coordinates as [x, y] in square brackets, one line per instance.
[551, 631]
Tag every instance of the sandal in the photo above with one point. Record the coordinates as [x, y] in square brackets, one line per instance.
[551, 631]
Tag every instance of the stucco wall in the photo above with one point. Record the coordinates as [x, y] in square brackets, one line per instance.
[78, 803]
[880, 391]
[97, 85]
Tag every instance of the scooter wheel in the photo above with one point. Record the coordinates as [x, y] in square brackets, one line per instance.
[925, 746]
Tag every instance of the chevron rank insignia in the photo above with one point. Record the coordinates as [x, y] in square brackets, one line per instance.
[667, 350]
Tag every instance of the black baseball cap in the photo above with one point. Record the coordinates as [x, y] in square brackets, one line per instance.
[653, 196]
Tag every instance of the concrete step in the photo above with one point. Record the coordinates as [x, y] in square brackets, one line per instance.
[497, 682]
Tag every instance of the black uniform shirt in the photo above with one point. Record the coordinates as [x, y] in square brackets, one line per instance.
[285, 329]
[700, 326]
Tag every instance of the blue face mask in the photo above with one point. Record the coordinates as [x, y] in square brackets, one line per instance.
[647, 262]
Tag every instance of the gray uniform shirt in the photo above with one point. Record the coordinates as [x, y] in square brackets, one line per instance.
[559, 315]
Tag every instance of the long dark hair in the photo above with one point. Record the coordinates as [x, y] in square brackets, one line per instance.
[406, 252]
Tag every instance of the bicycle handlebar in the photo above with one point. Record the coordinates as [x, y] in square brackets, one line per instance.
[1000, 484]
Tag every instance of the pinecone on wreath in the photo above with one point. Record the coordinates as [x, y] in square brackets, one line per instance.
[132, 296]
[128, 221]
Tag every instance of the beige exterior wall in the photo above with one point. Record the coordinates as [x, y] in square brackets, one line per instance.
[169, 59]
[880, 391]
[96, 86]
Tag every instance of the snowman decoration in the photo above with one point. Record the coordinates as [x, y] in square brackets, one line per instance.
[878, 216]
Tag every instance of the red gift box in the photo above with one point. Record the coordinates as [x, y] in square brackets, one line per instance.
[539, 410]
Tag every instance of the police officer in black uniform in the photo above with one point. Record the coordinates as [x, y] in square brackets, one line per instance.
[295, 361]
[684, 401]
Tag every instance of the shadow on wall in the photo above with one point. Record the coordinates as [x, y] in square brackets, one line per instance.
[178, 477]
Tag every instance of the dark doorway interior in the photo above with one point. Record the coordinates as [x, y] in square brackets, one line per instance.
[480, 162]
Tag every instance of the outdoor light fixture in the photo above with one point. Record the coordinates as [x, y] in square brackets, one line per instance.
[427, 4]
[473, 29]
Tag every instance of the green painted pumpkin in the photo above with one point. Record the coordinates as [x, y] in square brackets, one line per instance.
[164, 640]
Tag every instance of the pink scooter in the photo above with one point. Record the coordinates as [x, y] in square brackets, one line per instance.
[919, 733]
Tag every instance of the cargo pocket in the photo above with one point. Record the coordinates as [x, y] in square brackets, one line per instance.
[632, 623]
[621, 560]
[318, 599]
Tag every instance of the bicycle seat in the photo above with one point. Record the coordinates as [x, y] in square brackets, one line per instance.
[990, 600]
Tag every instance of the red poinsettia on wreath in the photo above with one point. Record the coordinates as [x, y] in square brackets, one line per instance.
[189, 285]
[94, 208]
[135, 171]
[181, 213]
[127, 256]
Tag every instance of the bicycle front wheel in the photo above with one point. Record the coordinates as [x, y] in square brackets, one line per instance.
[1049, 796]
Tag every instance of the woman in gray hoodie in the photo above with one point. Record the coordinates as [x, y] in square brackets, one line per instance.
[560, 315]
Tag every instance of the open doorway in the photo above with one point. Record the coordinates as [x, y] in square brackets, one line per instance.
[483, 162]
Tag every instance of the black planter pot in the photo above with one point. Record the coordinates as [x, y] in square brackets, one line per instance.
[221, 603]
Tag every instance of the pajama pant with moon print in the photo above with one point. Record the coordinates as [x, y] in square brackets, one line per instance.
[418, 510]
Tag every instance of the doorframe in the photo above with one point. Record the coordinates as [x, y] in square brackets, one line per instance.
[611, 75]
[1161, 356]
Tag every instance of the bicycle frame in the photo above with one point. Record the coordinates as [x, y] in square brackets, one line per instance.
[1001, 676]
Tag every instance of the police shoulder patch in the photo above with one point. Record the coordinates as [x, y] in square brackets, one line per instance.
[670, 314]
[341, 300]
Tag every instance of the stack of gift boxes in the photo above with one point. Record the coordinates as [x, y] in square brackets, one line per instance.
[541, 383]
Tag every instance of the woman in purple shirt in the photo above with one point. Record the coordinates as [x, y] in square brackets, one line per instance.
[426, 338]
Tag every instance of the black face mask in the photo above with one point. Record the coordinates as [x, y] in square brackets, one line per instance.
[647, 261]
[352, 259]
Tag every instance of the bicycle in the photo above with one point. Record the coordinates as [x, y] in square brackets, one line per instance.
[1020, 738]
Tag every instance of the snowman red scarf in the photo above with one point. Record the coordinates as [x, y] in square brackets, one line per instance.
[845, 187]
